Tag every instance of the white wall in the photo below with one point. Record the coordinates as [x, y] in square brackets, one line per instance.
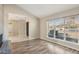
[1, 20]
[34, 25]
[34, 28]
[43, 27]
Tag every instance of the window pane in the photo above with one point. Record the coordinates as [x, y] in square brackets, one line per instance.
[71, 29]
[59, 30]
[77, 25]
[51, 28]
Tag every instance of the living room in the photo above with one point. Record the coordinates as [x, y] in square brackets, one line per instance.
[26, 27]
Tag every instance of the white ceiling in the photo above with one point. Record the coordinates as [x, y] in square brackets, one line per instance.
[43, 10]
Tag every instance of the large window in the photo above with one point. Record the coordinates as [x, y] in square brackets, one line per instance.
[66, 28]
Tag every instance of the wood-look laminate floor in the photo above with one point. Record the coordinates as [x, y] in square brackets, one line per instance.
[39, 46]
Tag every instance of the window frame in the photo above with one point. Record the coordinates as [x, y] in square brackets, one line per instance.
[54, 38]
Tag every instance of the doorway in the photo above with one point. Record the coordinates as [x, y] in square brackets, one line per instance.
[17, 30]
[27, 29]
